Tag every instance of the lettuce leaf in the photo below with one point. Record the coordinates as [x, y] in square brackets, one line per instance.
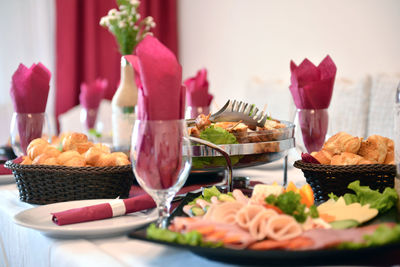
[218, 136]
[381, 236]
[364, 195]
[192, 238]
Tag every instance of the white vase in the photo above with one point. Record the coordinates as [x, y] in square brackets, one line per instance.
[123, 107]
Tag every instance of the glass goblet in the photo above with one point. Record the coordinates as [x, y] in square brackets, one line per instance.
[311, 129]
[161, 160]
[28, 126]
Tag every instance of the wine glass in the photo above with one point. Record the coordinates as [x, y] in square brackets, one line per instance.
[161, 160]
[28, 126]
[311, 129]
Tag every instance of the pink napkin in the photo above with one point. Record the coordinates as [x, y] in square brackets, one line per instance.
[307, 158]
[161, 96]
[161, 102]
[90, 97]
[103, 210]
[311, 88]
[135, 64]
[197, 94]
[139, 201]
[29, 92]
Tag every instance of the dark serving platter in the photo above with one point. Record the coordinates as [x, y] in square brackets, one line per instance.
[387, 255]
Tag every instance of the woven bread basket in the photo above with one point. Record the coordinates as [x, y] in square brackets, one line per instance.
[44, 184]
[325, 179]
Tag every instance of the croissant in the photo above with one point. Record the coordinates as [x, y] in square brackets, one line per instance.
[76, 141]
[374, 149]
[64, 157]
[75, 162]
[45, 159]
[36, 150]
[347, 158]
[35, 142]
[390, 151]
[103, 147]
[112, 159]
[323, 156]
[93, 155]
[342, 142]
[26, 161]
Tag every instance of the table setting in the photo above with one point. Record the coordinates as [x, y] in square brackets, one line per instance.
[182, 183]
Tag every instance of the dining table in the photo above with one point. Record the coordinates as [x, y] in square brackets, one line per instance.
[22, 246]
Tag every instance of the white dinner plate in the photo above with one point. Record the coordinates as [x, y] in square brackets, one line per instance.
[7, 179]
[39, 218]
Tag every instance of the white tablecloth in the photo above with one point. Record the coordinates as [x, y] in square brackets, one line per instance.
[20, 247]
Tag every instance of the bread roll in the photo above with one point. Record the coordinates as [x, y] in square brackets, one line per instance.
[75, 162]
[342, 142]
[39, 160]
[323, 156]
[51, 151]
[103, 147]
[346, 158]
[93, 155]
[119, 154]
[35, 142]
[68, 155]
[106, 160]
[76, 141]
[26, 161]
[121, 161]
[36, 150]
[374, 149]
[51, 161]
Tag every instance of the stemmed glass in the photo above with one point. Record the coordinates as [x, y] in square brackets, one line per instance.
[161, 160]
[28, 126]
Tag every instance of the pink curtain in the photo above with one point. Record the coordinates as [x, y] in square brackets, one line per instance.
[86, 51]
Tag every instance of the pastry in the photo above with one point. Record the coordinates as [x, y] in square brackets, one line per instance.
[26, 161]
[64, 157]
[76, 141]
[323, 156]
[93, 155]
[342, 142]
[346, 158]
[36, 150]
[75, 162]
[374, 149]
[103, 147]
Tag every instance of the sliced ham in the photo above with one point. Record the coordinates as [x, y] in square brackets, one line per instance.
[247, 213]
[282, 227]
[258, 226]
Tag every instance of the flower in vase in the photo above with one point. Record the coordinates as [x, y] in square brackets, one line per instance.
[126, 26]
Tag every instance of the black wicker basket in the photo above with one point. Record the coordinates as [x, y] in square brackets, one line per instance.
[43, 184]
[325, 179]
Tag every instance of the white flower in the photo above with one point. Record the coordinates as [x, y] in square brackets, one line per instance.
[134, 2]
[122, 7]
[136, 28]
[121, 24]
[137, 16]
[112, 12]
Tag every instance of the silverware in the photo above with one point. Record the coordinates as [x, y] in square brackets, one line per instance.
[234, 111]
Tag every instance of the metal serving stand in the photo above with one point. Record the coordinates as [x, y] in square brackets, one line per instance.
[208, 158]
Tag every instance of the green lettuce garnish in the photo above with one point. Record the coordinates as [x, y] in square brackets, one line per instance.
[218, 136]
[364, 195]
[381, 236]
[201, 162]
[192, 238]
[290, 203]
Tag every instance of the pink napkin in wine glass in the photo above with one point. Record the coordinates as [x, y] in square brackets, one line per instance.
[197, 94]
[311, 88]
[29, 91]
[4, 170]
[90, 97]
[30, 88]
[161, 96]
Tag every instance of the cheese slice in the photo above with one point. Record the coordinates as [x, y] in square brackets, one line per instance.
[261, 191]
[341, 211]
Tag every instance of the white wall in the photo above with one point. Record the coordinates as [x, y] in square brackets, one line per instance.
[247, 45]
[26, 36]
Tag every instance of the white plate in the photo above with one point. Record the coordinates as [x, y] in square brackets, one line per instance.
[7, 179]
[39, 218]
